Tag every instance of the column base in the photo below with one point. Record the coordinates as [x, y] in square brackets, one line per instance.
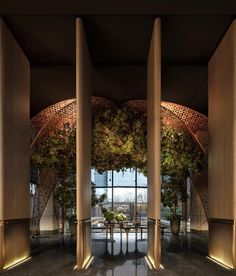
[14, 242]
[84, 255]
[154, 247]
[222, 242]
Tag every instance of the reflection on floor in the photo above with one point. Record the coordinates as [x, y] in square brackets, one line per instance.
[182, 255]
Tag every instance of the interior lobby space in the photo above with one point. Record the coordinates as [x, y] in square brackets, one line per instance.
[117, 137]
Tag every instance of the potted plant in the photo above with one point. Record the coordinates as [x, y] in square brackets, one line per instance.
[180, 157]
[108, 215]
[120, 218]
[171, 197]
[65, 194]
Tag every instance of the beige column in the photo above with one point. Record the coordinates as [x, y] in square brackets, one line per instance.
[153, 164]
[14, 151]
[83, 162]
[222, 150]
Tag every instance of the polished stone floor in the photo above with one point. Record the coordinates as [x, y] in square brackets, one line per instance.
[182, 255]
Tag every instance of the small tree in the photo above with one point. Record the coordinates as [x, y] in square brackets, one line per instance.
[180, 157]
[171, 196]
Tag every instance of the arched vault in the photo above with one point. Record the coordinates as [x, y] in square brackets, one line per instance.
[54, 117]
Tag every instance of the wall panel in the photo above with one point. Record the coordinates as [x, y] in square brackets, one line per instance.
[14, 150]
[222, 148]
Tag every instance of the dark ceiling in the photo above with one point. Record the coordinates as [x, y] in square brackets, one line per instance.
[118, 39]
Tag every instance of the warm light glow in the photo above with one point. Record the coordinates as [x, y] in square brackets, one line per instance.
[219, 262]
[150, 263]
[17, 262]
[89, 262]
[86, 264]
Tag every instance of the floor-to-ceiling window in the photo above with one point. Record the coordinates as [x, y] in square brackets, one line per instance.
[126, 192]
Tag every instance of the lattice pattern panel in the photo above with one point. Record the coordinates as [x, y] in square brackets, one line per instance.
[137, 105]
[177, 116]
[44, 189]
[42, 118]
[195, 121]
[67, 114]
[98, 103]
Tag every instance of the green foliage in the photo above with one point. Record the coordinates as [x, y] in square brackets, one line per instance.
[119, 140]
[65, 193]
[111, 216]
[95, 199]
[120, 217]
[180, 157]
[57, 151]
[108, 215]
[171, 191]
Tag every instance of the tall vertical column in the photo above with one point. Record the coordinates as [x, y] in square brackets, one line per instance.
[153, 146]
[222, 150]
[83, 150]
[14, 151]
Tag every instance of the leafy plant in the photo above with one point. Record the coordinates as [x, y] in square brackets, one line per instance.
[180, 157]
[111, 215]
[171, 196]
[95, 199]
[120, 217]
[119, 140]
[65, 194]
[108, 215]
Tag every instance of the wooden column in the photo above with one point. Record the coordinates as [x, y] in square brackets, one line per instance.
[14, 151]
[83, 151]
[222, 150]
[153, 164]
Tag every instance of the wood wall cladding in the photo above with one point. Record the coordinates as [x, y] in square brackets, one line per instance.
[222, 150]
[14, 150]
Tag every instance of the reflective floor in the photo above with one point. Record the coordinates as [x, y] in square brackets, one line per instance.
[182, 255]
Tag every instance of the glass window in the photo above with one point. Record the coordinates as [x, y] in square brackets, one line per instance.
[109, 178]
[107, 191]
[124, 195]
[142, 195]
[101, 179]
[124, 178]
[141, 179]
